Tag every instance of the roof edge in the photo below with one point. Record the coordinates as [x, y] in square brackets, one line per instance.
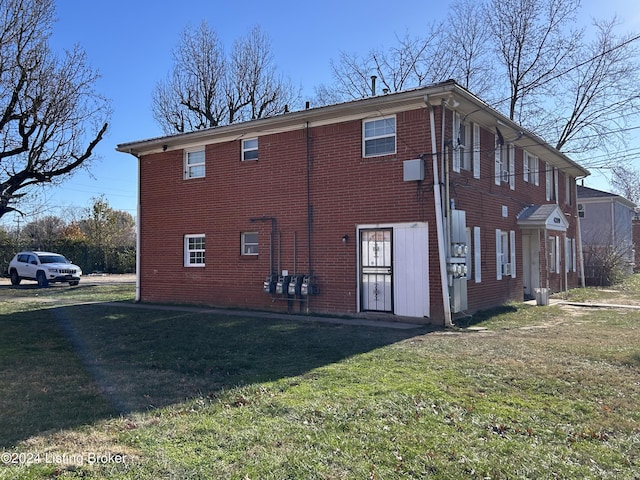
[446, 93]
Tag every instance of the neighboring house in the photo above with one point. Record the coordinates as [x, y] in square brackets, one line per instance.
[606, 221]
[421, 205]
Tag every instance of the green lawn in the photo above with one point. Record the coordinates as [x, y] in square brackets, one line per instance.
[97, 391]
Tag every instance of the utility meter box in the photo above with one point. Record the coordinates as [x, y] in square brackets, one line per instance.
[282, 284]
[269, 284]
[295, 284]
[413, 170]
[308, 286]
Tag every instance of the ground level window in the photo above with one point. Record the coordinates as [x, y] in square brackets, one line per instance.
[505, 254]
[554, 258]
[249, 242]
[194, 249]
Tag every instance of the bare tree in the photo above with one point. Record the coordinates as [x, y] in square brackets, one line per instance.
[607, 263]
[413, 62]
[600, 94]
[527, 59]
[625, 181]
[533, 42]
[468, 37]
[51, 118]
[193, 95]
[207, 88]
[258, 91]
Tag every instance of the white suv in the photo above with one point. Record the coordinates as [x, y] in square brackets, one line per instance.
[44, 267]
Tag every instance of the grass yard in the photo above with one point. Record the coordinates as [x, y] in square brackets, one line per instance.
[111, 391]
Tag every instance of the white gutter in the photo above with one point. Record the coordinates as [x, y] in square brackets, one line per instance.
[137, 297]
[442, 251]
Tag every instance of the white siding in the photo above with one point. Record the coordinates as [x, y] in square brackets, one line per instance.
[411, 270]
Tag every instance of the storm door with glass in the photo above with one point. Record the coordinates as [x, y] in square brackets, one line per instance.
[376, 270]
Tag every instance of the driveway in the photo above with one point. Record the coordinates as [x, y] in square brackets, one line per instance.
[91, 279]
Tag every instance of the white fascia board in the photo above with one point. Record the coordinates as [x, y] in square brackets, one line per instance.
[373, 107]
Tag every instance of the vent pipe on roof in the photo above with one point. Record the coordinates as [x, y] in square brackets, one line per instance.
[373, 85]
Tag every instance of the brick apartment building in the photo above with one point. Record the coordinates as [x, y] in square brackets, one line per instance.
[421, 205]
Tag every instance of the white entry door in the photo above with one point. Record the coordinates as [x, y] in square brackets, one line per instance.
[411, 268]
[530, 263]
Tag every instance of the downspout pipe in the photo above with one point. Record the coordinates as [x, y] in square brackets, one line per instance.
[566, 266]
[579, 239]
[442, 251]
[309, 205]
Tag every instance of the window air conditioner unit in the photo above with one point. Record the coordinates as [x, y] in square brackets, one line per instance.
[505, 176]
[506, 269]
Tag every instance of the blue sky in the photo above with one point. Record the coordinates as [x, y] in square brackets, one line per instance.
[130, 43]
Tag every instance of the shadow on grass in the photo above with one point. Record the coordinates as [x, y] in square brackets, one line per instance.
[67, 366]
[484, 316]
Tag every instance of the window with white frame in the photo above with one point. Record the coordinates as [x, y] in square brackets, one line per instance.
[462, 142]
[505, 164]
[530, 168]
[570, 255]
[194, 164]
[379, 137]
[469, 255]
[551, 180]
[498, 157]
[554, 257]
[477, 267]
[505, 254]
[194, 250]
[476, 150]
[249, 243]
[511, 162]
[249, 149]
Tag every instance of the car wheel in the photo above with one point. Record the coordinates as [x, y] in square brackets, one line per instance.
[15, 278]
[42, 280]
[73, 284]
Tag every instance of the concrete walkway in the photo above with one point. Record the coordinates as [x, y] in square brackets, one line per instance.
[559, 301]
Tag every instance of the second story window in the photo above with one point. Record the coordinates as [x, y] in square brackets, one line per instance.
[505, 164]
[250, 149]
[551, 182]
[530, 168]
[462, 140]
[194, 164]
[379, 137]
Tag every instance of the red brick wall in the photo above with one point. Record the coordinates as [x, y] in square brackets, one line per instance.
[345, 190]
